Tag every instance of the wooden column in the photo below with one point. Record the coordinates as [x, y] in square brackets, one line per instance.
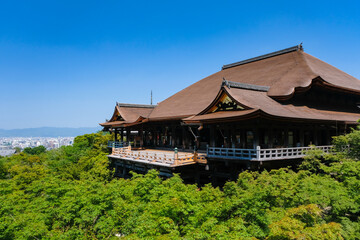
[301, 132]
[286, 137]
[256, 137]
[212, 135]
[122, 134]
[173, 136]
[141, 136]
[225, 136]
[128, 131]
[153, 136]
[271, 137]
[115, 133]
[328, 137]
[243, 138]
[177, 137]
[183, 132]
[316, 137]
[146, 140]
[233, 136]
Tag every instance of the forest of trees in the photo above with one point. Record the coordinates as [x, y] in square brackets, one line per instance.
[69, 193]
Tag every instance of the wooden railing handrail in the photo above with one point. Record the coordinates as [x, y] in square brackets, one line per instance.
[259, 154]
[117, 144]
[175, 159]
[171, 159]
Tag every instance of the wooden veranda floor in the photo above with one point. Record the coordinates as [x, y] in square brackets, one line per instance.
[163, 158]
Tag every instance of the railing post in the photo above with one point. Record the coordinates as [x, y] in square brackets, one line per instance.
[176, 156]
[258, 152]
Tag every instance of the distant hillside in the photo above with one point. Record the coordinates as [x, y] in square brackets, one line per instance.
[48, 132]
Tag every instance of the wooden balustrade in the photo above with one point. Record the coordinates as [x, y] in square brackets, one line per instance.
[231, 153]
[151, 157]
[178, 159]
[262, 154]
[117, 144]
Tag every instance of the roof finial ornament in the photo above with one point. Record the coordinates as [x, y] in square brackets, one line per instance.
[225, 83]
[300, 46]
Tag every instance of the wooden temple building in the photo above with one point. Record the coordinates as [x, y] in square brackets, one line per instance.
[263, 110]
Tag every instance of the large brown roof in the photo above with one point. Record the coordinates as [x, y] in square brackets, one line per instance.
[283, 73]
[258, 84]
[259, 102]
[130, 113]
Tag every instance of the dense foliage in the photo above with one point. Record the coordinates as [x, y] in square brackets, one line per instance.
[35, 150]
[69, 193]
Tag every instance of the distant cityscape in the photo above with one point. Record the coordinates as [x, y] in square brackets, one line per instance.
[8, 145]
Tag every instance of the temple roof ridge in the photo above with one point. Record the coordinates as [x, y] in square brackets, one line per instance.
[247, 86]
[269, 55]
[134, 105]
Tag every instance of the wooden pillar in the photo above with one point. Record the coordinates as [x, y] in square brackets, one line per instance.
[233, 136]
[271, 137]
[328, 137]
[316, 137]
[154, 136]
[115, 134]
[286, 137]
[177, 137]
[256, 137]
[173, 136]
[228, 136]
[128, 131]
[301, 132]
[124, 171]
[122, 134]
[212, 135]
[225, 136]
[188, 142]
[146, 140]
[222, 133]
[214, 178]
[183, 132]
[243, 138]
[311, 135]
[141, 136]
[116, 169]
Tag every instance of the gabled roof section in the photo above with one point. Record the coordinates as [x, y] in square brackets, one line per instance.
[129, 114]
[283, 72]
[224, 101]
[259, 103]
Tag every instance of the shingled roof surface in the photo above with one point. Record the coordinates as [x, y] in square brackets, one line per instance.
[130, 113]
[282, 73]
[260, 101]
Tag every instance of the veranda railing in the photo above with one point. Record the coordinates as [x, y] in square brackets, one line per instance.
[165, 158]
[117, 144]
[259, 154]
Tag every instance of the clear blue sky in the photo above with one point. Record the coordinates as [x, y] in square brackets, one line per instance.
[66, 63]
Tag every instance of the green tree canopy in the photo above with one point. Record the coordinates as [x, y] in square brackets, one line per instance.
[35, 150]
[70, 193]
